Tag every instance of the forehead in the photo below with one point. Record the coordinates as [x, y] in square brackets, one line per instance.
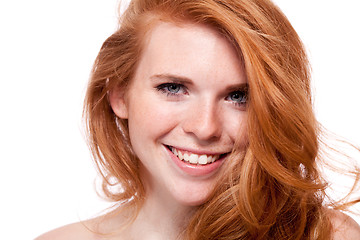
[172, 35]
[189, 49]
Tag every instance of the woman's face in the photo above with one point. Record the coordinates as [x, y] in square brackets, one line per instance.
[185, 108]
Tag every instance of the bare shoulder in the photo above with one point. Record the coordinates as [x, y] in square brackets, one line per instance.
[344, 227]
[74, 231]
[104, 227]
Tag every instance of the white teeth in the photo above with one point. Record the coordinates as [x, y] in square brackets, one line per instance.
[209, 159]
[195, 158]
[203, 159]
[186, 157]
[180, 155]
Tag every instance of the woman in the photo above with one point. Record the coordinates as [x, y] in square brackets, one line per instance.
[200, 121]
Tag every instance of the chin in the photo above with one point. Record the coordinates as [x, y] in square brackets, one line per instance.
[193, 197]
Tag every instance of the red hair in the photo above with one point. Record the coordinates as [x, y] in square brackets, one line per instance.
[270, 190]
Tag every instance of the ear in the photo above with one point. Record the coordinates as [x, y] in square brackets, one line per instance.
[118, 102]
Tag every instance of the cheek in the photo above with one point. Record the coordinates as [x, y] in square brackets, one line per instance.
[237, 127]
[151, 119]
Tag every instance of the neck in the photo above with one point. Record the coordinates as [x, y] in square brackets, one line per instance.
[160, 218]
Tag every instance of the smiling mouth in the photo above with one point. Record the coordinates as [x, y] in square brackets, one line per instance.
[195, 159]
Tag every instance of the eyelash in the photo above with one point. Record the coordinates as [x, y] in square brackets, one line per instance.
[165, 88]
[243, 97]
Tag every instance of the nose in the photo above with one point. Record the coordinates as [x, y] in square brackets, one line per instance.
[203, 120]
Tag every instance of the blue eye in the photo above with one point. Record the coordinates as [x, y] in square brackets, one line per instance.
[172, 88]
[238, 97]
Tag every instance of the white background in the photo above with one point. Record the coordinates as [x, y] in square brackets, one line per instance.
[46, 52]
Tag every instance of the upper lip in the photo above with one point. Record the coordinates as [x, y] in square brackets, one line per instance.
[199, 151]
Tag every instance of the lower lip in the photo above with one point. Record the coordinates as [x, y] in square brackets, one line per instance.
[196, 170]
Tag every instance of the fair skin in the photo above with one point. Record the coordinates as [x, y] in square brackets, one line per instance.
[183, 97]
[187, 97]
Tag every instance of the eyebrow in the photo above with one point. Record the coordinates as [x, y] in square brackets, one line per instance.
[173, 78]
[185, 80]
[239, 86]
